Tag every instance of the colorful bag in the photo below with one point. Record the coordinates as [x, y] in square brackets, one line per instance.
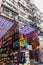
[16, 44]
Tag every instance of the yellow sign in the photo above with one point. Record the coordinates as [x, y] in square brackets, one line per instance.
[22, 42]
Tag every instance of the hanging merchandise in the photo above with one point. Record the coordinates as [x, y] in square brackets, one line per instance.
[0, 50]
[37, 44]
[26, 56]
[22, 60]
[11, 62]
[9, 39]
[1, 63]
[16, 45]
[22, 42]
[3, 50]
[5, 44]
[30, 34]
[37, 54]
[26, 44]
[20, 36]
[15, 60]
[0, 42]
[4, 55]
[29, 47]
[15, 63]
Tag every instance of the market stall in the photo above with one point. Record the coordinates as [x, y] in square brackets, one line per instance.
[30, 34]
[9, 34]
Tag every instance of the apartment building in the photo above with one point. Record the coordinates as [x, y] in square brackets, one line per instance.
[8, 10]
[24, 11]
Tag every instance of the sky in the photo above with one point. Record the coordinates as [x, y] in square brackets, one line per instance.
[39, 4]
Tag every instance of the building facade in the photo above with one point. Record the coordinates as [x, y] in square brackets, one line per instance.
[24, 11]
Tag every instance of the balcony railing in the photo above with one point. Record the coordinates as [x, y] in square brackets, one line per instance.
[5, 4]
[25, 19]
[5, 11]
[25, 6]
[17, 7]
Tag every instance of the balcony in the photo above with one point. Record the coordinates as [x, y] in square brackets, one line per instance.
[34, 8]
[17, 7]
[28, 1]
[5, 11]
[24, 20]
[5, 4]
[28, 5]
[25, 6]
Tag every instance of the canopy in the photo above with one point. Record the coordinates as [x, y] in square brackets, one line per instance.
[26, 29]
[5, 25]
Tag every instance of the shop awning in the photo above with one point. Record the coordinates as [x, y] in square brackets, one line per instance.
[26, 29]
[5, 25]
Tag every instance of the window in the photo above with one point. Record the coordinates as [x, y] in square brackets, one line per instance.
[5, 10]
[13, 15]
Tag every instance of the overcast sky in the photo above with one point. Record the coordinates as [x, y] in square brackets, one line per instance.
[39, 4]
